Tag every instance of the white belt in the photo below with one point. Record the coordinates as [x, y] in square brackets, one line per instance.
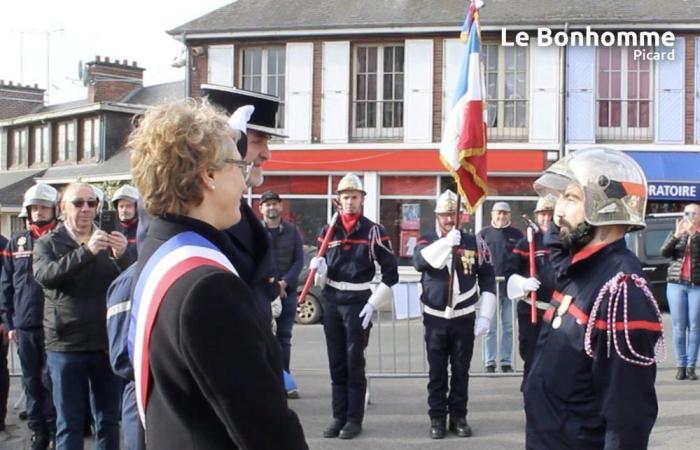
[346, 286]
[540, 305]
[457, 312]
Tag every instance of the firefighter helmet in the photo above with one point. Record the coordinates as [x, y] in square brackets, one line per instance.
[544, 204]
[100, 194]
[23, 212]
[126, 192]
[446, 203]
[40, 194]
[614, 186]
[350, 182]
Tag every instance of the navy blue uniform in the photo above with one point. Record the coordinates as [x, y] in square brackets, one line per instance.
[22, 303]
[573, 400]
[452, 339]
[519, 263]
[4, 372]
[350, 260]
[252, 256]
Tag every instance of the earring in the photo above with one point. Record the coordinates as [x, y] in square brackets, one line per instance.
[213, 187]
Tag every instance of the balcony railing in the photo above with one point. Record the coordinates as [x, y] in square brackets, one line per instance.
[507, 120]
[374, 120]
[624, 120]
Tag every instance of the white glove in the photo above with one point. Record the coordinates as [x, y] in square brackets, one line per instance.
[319, 263]
[454, 237]
[531, 284]
[240, 118]
[482, 326]
[366, 315]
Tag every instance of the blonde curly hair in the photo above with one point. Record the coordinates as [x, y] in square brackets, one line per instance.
[170, 147]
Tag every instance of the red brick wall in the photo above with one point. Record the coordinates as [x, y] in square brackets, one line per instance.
[106, 84]
[17, 100]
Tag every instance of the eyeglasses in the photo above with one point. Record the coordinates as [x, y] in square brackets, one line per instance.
[245, 166]
[79, 203]
[690, 214]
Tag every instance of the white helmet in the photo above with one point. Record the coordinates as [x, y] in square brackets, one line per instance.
[40, 194]
[350, 182]
[613, 185]
[126, 192]
[100, 194]
[446, 203]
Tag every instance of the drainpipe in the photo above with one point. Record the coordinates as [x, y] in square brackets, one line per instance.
[563, 96]
[188, 62]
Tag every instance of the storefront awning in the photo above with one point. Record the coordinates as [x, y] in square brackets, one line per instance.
[673, 176]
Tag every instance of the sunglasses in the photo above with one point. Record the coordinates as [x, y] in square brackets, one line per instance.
[690, 214]
[79, 203]
[245, 166]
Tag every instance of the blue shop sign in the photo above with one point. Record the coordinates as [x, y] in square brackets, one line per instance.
[674, 191]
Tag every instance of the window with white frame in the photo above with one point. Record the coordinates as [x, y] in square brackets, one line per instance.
[378, 87]
[19, 147]
[263, 70]
[91, 138]
[65, 140]
[506, 72]
[624, 95]
[40, 146]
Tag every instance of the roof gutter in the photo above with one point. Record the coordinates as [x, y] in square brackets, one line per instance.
[109, 106]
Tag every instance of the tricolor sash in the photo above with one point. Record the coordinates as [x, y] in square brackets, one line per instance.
[176, 257]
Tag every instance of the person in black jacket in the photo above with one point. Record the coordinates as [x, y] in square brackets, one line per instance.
[591, 380]
[208, 373]
[289, 258]
[124, 203]
[346, 273]
[519, 283]
[450, 328]
[75, 263]
[4, 345]
[683, 289]
[22, 302]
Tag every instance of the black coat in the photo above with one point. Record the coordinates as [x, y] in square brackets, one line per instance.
[501, 242]
[675, 248]
[216, 374]
[75, 285]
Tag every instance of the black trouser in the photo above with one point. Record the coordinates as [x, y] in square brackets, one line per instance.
[346, 342]
[451, 341]
[35, 377]
[4, 379]
[527, 334]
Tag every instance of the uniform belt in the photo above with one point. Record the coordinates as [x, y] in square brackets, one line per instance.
[441, 313]
[346, 286]
[540, 305]
[466, 295]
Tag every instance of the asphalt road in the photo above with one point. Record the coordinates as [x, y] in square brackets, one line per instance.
[397, 418]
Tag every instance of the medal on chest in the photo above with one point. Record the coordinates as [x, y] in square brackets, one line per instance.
[561, 310]
[468, 259]
[21, 242]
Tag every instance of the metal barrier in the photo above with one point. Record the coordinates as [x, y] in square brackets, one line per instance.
[397, 347]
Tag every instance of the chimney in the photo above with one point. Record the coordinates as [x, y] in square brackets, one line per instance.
[17, 100]
[111, 81]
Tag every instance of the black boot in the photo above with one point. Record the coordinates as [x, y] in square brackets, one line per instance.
[437, 428]
[460, 427]
[351, 430]
[680, 374]
[334, 428]
[690, 373]
[39, 440]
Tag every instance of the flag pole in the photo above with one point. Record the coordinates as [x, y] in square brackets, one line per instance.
[455, 250]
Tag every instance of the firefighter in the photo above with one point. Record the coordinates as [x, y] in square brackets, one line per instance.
[124, 202]
[22, 303]
[520, 284]
[348, 303]
[591, 381]
[450, 329]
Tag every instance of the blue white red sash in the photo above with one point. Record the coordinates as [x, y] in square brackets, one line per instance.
[177, 256]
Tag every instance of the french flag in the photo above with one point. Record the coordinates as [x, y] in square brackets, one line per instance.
[463, 147]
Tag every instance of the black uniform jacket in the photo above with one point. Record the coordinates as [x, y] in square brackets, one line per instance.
[21, 297]
[350, 259]
[573, 400]
[75, 284]
[519, 263]
[216, 374]
[252, 256]
[473, 266]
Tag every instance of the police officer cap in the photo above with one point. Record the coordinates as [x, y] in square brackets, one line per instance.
[230, 98]
[269, 195]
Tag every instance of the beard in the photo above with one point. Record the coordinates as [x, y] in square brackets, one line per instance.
[574, 238]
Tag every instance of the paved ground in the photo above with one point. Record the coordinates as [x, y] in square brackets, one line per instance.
[397, 418]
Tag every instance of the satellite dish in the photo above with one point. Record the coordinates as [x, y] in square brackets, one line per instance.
[83, 73]
[80, 70]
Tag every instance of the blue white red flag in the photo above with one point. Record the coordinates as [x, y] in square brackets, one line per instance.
[177, 256]
[463, 147]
